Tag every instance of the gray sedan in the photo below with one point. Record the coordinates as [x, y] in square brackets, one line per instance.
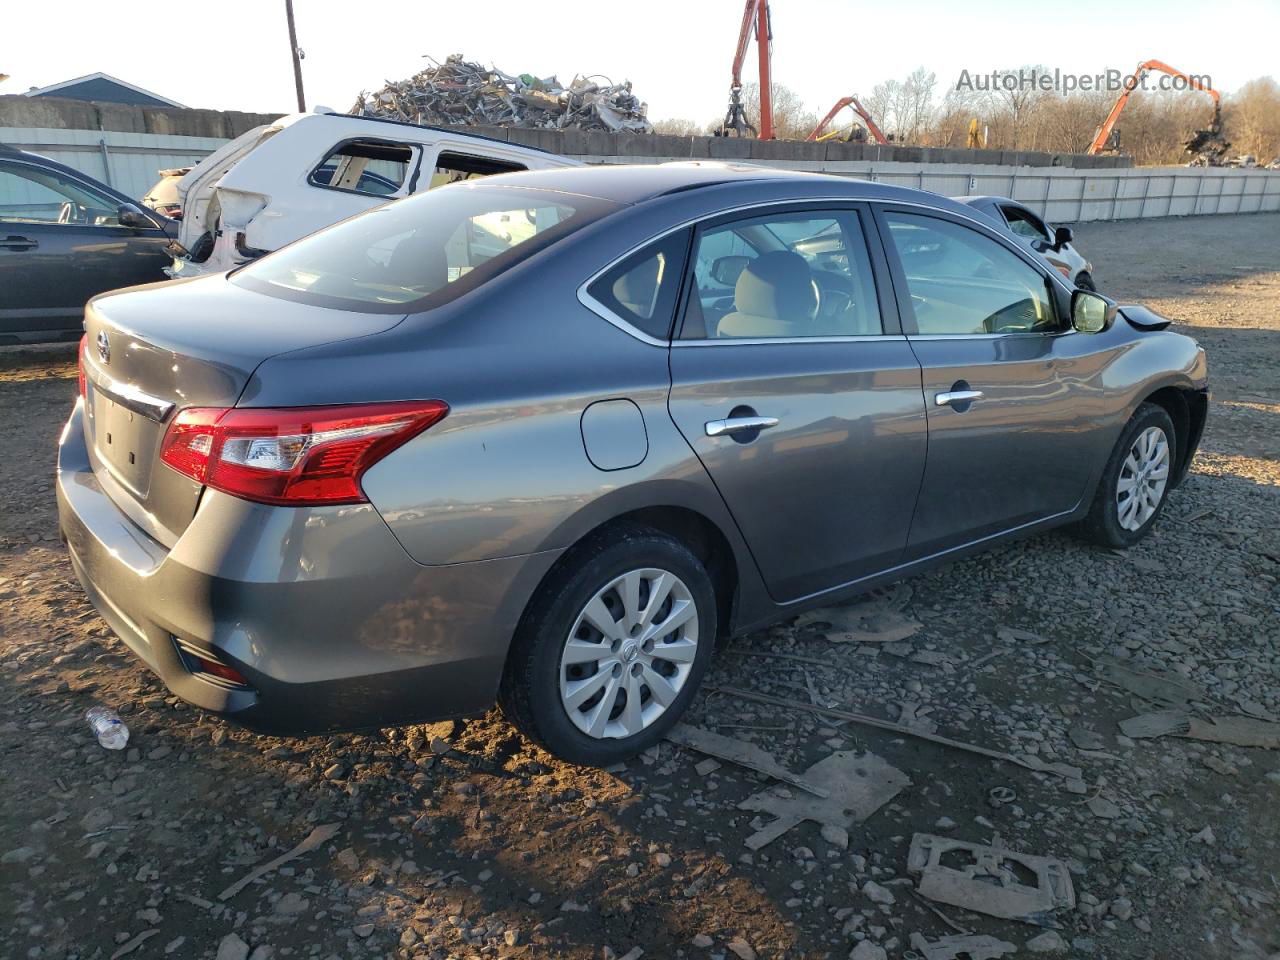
[544, 437]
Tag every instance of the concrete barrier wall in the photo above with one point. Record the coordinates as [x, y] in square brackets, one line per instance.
[128, 146]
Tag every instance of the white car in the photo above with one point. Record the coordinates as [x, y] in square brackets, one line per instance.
[1051, 243]
[284, 180]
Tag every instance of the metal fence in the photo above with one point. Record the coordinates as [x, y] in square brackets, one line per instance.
[1066, 194]
[131, 163]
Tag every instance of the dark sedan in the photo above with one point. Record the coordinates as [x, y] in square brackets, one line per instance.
[545, 437]
[65, 237]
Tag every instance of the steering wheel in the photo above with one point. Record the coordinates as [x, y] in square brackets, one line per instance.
[72, 212]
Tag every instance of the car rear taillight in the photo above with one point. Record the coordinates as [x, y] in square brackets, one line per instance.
[80, 365]
[292, 456]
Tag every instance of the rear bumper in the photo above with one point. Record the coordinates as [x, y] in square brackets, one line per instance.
[332, 623]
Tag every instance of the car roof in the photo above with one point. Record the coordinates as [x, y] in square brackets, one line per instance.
[457, 131]
[628, 184]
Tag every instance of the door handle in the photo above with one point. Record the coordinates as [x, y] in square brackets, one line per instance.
[952, 397]
[18, 243]
[732, 425]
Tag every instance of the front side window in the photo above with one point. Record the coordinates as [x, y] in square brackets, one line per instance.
[422, 251]
[643, 288]
[783, 276]
[37, 195]
[1025, 224]
[962, 282]
[374, 167]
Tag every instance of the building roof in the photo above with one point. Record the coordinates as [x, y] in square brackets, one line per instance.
[103, 86]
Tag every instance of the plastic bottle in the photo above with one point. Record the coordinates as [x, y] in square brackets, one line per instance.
[107, 727]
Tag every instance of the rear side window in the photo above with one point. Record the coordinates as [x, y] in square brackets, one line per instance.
[374, 167]
[643, 288]
[452, 167]
[422, 251]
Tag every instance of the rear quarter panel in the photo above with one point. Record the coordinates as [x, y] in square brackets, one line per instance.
[506, 472]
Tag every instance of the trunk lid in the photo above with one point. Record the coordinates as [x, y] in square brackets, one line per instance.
[154, 350]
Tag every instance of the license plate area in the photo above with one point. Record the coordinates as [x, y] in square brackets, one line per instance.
[125, 442]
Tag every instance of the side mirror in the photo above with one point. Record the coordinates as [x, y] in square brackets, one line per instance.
[1061, 237]
[1091, 312]
[725, 270]
[129, 215]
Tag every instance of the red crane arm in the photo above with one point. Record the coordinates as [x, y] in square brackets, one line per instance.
[749, 17]
[1103, 133]
[755, 19]
[859, 109]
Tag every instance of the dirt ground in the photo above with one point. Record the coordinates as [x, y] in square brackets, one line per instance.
[467, 842]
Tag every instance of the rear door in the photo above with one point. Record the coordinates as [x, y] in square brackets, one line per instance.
[794, 386]
[1009, 387]
[61, 243]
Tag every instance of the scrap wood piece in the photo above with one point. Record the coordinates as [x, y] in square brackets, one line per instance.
[981, 947]
[876, 620]
[858, 785]
[986, 880]
[1237, 731]
[1038, 765]
[1170, 690]
[131, 945]
[744, 754]
[1159, 724]
[318, 836]
[1064, 770]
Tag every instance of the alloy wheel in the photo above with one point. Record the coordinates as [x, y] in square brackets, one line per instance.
[1144, 474]
[629, 654]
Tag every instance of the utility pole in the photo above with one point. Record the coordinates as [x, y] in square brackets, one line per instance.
[296, 54]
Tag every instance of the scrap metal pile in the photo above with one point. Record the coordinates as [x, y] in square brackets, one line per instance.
[461, 92]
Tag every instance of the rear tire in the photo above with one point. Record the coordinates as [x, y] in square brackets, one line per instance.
[1085, 282]
[1135, 483]
[597, 670]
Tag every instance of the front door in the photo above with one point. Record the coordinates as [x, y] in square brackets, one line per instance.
[1006, 384]
[61, 243]
[792, 383]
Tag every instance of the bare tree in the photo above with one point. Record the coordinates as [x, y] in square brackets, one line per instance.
[676, 127]
[792, 120]
[1014, 105]
[882, 105]
[1253, 119]
[914, 105]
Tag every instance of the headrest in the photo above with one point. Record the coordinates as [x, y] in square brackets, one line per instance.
[636, 288]
[777, 285]
[418, 260]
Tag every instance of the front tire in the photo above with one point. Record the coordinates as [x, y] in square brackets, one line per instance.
[612, 649]
[1135, 482]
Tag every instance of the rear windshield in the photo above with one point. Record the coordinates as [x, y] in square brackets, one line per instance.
[422, 251]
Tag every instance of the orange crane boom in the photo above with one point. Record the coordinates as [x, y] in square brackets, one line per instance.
[859, 109]
[1103, 133]
[755, 19]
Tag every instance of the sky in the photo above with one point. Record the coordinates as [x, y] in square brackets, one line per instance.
[234, 54]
